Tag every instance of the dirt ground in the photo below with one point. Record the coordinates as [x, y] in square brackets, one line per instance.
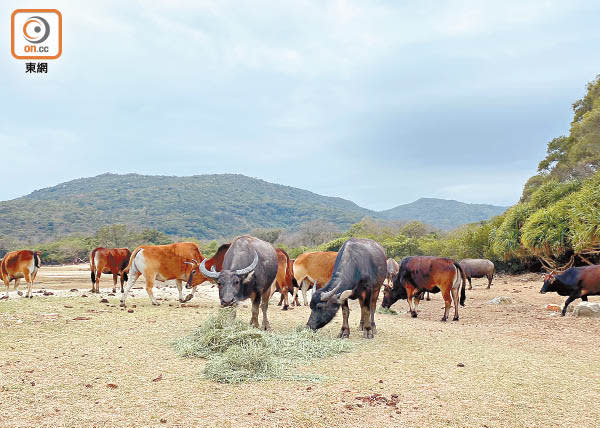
[69, 360]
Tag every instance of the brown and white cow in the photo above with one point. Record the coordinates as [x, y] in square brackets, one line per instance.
[313, 269]
[425, 273]
[164, 263]
[284, 279]
[110, 261]
[20, 264]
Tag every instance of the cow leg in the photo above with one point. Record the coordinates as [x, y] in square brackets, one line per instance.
[280, 299]
[410, 291]
[365, 314]
[29, 281]
[447, 301]
[149, 287]
[455, 300]
[584, 298]
[373, 308]
[284, 296]
[264, 305]
[470, 285]
[180, 290]
[305, 287]
[134, 274]
[122, 280]
[490, 277]
[114, 283]
[17, 280]
[428, 297]
[345, 331]
[569, 300]
[255, 298]
[96, 285]
[7, 283]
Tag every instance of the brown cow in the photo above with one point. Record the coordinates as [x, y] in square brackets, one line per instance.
[313, 269]
[20, 264]
[215, 261]
[164, 263]
[420, 274]
[110, 261]
[284, 279]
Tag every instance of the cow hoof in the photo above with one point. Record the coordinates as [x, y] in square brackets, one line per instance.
[368, 334]
[155, 303]
[455, 319]
[188, 298]
[344, 333]
[413, 314]
[266, 327]
[428, 299]
[30, 296]
[285, 308]
[361, 326]
[444, 319]
[123, 305]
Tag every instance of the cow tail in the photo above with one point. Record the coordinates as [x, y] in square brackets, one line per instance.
[131, 259]
[93, 266]
[463, 294]
[36, 260]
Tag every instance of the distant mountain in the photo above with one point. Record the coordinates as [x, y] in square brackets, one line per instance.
[201, 206]
[442, 213]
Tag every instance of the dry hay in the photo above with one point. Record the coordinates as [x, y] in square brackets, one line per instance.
[238, 352]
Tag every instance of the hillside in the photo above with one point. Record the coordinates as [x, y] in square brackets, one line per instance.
[442, 213]
[201, 206]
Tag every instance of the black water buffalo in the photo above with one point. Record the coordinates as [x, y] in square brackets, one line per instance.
[478, 268]
[358, 273]
[420, 274]
[575, 282]
[249, 270]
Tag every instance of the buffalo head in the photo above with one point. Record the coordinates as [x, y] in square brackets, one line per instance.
[549, 283]
[324, 305]
[230, 282]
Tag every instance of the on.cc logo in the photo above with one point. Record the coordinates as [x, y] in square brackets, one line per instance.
[36, 29]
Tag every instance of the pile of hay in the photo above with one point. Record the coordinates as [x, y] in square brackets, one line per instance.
[386, 311]
[238, 352]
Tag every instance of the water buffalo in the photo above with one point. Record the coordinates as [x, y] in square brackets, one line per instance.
[575, 282]
[249, 271]
[478, 268]
[358, 273]
[425, 273]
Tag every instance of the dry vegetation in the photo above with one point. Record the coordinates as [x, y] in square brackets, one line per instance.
[72, 361]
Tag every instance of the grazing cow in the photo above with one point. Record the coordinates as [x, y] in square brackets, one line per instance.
[478, 268]
[312, 269]
[575, 282]
[249, 271]
[20, 264]
[164, 263]
[110, 261]
[420, 274]
[359, 271]
[284, 279]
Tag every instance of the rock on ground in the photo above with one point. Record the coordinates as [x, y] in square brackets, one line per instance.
[587, 309]
[500, 300]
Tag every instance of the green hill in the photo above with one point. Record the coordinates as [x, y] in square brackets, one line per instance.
[442, 213]
[201, 206]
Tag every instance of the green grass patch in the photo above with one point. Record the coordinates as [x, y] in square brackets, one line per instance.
[386, 311]
[238, 352]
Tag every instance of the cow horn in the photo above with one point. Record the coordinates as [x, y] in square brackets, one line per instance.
[208, 273]
[327, 295]
[190, 263]
[344, 296]
[249, 268]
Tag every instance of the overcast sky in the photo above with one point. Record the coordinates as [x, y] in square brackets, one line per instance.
[377, 102]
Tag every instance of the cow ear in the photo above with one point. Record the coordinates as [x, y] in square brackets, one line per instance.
[248, 278]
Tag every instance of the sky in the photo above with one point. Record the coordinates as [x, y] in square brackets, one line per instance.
[377, 102]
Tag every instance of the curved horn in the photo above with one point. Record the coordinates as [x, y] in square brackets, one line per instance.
[249, 268]
[344, 296]
[327, 295]
[208, 273]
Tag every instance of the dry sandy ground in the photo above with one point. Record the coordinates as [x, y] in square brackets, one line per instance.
[68, 360]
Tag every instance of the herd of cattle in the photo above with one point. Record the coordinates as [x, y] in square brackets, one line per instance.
[249, 268]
